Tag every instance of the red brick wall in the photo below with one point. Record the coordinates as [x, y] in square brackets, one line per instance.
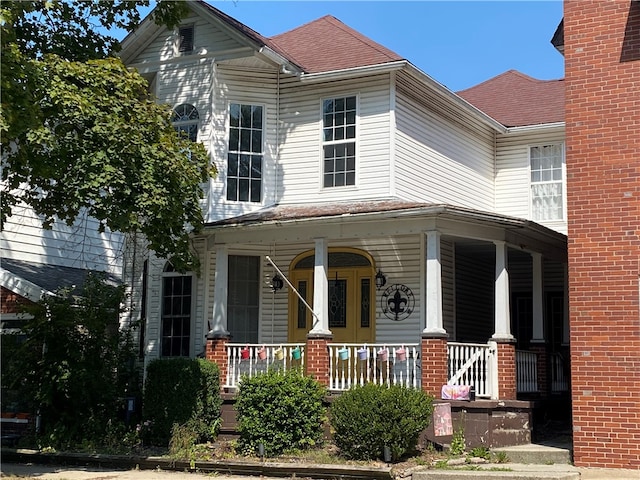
[216, 351]
[10, 302]
[602, 70]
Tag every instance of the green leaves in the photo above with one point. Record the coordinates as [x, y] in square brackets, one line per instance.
[83, 132]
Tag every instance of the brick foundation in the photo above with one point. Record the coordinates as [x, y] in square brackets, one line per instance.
[506, 371]
[216, 351]
[317, 357]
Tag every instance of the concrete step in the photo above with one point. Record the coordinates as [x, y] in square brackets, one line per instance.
[503, 471]
[540, 454]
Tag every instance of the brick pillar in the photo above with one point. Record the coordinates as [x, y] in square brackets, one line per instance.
[506, 370]
[317, 357]
[542, 366]
[216, 352]
[435, 370]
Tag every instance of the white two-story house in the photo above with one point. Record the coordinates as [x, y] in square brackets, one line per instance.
[358, 201]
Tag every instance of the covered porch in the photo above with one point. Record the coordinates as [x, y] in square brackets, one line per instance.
[390, 292]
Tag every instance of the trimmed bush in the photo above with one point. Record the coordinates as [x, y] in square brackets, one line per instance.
[182, 391]
[282, 410]
[367, 418]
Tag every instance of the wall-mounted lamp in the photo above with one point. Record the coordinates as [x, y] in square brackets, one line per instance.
[276, 283]
[381, 280]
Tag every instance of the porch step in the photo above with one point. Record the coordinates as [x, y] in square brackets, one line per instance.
[537, 453]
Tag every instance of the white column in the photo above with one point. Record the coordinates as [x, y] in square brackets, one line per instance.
[321, 288]
[433, 300]
[221, 288]
[537, 299]
[502, 314]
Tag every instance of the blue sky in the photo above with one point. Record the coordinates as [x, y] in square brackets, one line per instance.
[458, 43]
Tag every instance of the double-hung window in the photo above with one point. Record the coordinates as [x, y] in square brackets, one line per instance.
[547, 182]
[245, 154]
[176, 313]
[339, 141]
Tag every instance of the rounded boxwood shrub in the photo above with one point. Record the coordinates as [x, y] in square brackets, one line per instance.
[282, 410]
[367, 418]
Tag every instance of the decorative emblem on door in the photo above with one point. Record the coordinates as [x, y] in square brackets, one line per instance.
[397, 302]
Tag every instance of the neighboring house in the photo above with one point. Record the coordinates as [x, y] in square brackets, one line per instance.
[36, 262]
[601, 45]
[407, 217]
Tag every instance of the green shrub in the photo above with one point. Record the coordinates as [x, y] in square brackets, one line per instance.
[182, 391]
[74, 365]
[365, 419]
[282, 410]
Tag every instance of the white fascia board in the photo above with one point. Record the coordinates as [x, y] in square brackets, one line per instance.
[454, 98]
[533, 128]
[352, 72]
[22, 287]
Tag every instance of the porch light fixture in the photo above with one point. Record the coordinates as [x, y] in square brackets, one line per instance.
[381, 280]
[276, 283]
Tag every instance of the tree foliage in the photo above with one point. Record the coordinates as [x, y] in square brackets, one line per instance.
[81, 132]
[75, 366]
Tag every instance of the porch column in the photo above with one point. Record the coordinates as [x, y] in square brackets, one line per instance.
[501, 296]
[537, 299]
[216, 351]
[538, 344]
[434, 367]
[221, 280]
[321, 289]
[317, 357]
[505, 342]
[433, 300]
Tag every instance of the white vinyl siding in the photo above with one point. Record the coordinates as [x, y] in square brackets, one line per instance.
[513, 172]
[78, 246]
[300, 158]
[441, 157]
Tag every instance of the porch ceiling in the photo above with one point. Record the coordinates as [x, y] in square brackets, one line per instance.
[279, 223]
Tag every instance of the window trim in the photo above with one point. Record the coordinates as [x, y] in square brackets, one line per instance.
[356, 141]
[182, 123]
[192, 317]
[561, 144]
[228, 151]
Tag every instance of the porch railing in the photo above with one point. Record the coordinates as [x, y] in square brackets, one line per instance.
[252, 359]
[526, 372]
[383, 364]
[473, 364]
[559, 377]
[356, 364]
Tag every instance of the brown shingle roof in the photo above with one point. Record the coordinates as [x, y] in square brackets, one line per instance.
[327, 44]
[515, 99]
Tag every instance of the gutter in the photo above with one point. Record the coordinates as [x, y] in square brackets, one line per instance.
[531, 128]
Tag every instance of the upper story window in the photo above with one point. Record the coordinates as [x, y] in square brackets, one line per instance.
[176, 313]
[547, 182]
[339, 141]
[244, 165]
[185, 119]
[185, 40]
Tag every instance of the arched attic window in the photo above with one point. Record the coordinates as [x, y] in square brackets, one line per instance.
[185, 119]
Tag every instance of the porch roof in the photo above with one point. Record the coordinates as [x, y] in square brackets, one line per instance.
[516, 229]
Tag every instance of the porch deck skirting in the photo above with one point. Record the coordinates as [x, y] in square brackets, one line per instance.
[340, 366]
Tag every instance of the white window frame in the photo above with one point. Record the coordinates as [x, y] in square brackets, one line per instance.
[355, 140]
[239, 152]
[192, 314]
[562, 182]
[181, 124]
